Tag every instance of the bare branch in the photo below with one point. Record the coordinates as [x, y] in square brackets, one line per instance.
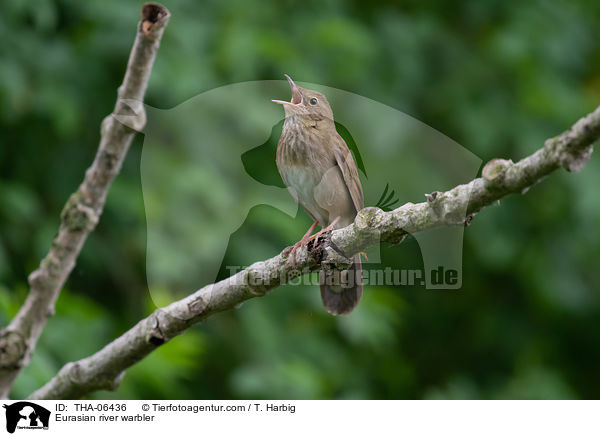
[83, 209]
[105, 368]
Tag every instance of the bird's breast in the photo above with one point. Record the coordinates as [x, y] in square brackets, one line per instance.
[301, 179]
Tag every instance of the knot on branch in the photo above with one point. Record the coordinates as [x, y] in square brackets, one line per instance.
[39, 279]
[130, 113]
[368, 224]
[367, 220]
[197, 305]
[160, 325]
[13, 347]
[155, 335]
[72, 371]
[495, 170]
[365, 230]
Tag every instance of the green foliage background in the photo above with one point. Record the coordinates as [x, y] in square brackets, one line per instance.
[498, 77]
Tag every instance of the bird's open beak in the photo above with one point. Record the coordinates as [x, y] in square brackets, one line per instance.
[296, 96]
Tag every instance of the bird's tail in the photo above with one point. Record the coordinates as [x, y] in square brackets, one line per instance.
[342, 290]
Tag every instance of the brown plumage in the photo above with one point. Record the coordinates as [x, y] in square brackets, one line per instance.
[320, 173]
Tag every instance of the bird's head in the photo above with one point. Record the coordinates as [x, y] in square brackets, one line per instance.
[307, 104]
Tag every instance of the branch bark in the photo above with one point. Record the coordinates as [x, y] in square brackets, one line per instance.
[83, 209]
[104, 369]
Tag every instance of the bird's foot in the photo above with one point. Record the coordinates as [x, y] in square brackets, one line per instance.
[291, 251]
[327, 229]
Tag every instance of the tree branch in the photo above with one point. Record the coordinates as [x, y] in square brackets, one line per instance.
[83, 209]
[104, 369]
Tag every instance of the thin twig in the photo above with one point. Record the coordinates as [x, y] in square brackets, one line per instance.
[83, 209]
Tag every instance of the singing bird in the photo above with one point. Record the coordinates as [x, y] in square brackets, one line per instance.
[320, 173]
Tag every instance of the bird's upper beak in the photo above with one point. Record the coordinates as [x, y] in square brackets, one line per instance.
[296, 95]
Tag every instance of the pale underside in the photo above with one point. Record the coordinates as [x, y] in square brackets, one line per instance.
[324, 195]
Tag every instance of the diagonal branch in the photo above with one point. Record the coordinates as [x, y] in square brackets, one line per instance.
[104, 369]
[83, 209]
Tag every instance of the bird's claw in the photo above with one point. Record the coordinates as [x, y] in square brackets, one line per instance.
[327, 229]
[291, 251]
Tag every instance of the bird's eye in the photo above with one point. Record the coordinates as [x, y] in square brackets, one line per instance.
[313, 101]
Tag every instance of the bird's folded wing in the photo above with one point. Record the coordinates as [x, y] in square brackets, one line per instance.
[345, 161]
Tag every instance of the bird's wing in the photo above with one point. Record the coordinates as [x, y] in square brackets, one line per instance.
[347, 166]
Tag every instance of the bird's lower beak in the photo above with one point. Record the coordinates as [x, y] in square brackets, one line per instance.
[296, 96]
